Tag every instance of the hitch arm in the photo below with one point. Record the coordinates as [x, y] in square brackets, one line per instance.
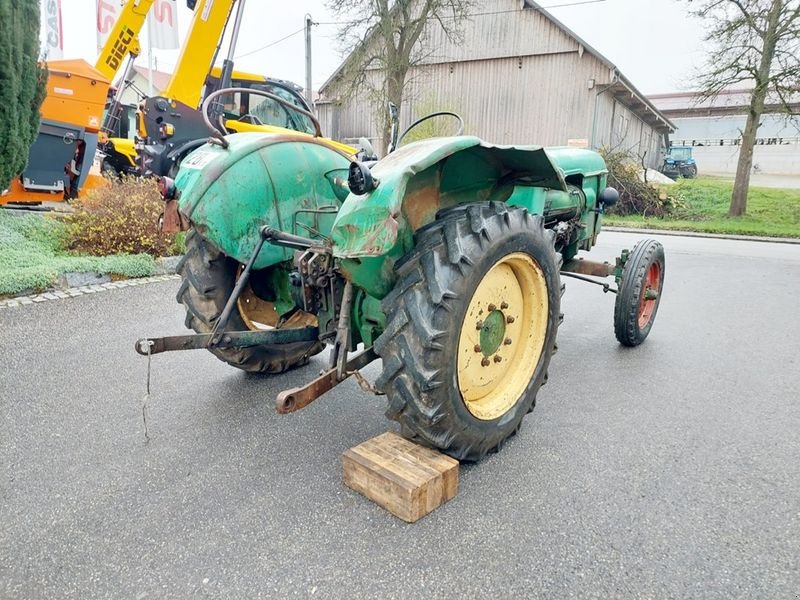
[228, 339]
[296, 398]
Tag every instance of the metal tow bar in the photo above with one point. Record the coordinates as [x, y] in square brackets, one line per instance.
[228, 339]
[219, 338]
[296, 398]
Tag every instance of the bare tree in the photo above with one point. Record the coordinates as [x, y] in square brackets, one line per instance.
[754, 42]
[386, 37]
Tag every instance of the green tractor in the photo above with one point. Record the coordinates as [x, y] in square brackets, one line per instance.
[443, 259]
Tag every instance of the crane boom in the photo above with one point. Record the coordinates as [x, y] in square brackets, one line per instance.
[124, 37]
[198, 50]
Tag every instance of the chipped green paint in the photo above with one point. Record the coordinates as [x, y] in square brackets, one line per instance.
[293, 184]
[373, 231]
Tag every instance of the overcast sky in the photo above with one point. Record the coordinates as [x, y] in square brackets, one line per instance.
[652, 42]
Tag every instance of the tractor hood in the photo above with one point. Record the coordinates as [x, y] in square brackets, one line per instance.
[371, 224]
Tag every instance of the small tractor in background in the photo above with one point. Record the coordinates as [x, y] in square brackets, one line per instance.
[679, 163]
[445, 260]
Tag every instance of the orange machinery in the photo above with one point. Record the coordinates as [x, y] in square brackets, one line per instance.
[72, 113]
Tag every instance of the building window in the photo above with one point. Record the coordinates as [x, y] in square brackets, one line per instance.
[622, 127]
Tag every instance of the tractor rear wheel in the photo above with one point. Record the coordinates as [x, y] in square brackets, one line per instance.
[208, 280]
[639, 293]
[471, 326]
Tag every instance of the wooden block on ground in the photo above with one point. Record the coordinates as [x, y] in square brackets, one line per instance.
[406, 479]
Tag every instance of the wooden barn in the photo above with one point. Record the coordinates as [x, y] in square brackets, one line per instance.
[520, 77]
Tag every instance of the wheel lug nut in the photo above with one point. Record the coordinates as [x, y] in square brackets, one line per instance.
[507, 341]
[497, 358]
[478, 348]
[479, 325]
[492, 308]
[485, 362]
[504, 305]
[509, 319]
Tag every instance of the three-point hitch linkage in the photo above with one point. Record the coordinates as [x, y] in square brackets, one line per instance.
[315, 260]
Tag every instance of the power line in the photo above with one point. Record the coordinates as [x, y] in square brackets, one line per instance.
[574, 3]
[271, 43]
[483, 14]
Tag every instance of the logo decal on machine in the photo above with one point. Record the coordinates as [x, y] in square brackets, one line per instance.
[199, 159]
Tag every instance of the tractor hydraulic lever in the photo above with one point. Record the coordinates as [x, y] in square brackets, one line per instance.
[288, 240]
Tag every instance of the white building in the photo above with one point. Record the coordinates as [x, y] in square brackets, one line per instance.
[714, 129]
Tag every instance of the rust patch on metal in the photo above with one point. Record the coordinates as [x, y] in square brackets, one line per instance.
[173, 220]
[256, 313]
[422, 199]
[296, 398]
[371, 242]
[589, 267]
[259, 314]
[420, 206]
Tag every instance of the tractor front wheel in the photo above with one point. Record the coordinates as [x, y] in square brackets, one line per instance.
[209, 277]
[639, 293]
[471, 327]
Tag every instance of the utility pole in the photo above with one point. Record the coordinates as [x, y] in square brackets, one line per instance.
[309, 90]
[150, 87]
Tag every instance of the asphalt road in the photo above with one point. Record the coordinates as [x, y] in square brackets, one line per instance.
[667, 471]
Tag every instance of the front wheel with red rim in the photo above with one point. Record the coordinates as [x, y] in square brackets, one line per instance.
[639, 293]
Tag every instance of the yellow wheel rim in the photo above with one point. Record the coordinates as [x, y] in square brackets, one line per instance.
[502, 336]
[259, 314]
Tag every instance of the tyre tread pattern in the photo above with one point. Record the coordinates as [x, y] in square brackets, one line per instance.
[419, 314]
[208, 278]
[626, 306]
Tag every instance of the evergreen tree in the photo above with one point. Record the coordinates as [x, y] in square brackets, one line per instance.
[22, 85]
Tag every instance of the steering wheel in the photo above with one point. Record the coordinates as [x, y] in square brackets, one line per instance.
[445, 113]
[218, 130]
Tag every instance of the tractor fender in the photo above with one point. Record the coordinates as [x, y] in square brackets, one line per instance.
[418, 180]
[290, 181]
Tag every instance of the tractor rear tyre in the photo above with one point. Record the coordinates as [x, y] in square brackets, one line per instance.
[208, 280]
[471, 326]
[639, 293]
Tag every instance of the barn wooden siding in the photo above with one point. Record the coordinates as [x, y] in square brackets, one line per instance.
[518, 78]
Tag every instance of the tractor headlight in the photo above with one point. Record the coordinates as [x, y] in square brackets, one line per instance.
[608, 197]
[360, 179]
